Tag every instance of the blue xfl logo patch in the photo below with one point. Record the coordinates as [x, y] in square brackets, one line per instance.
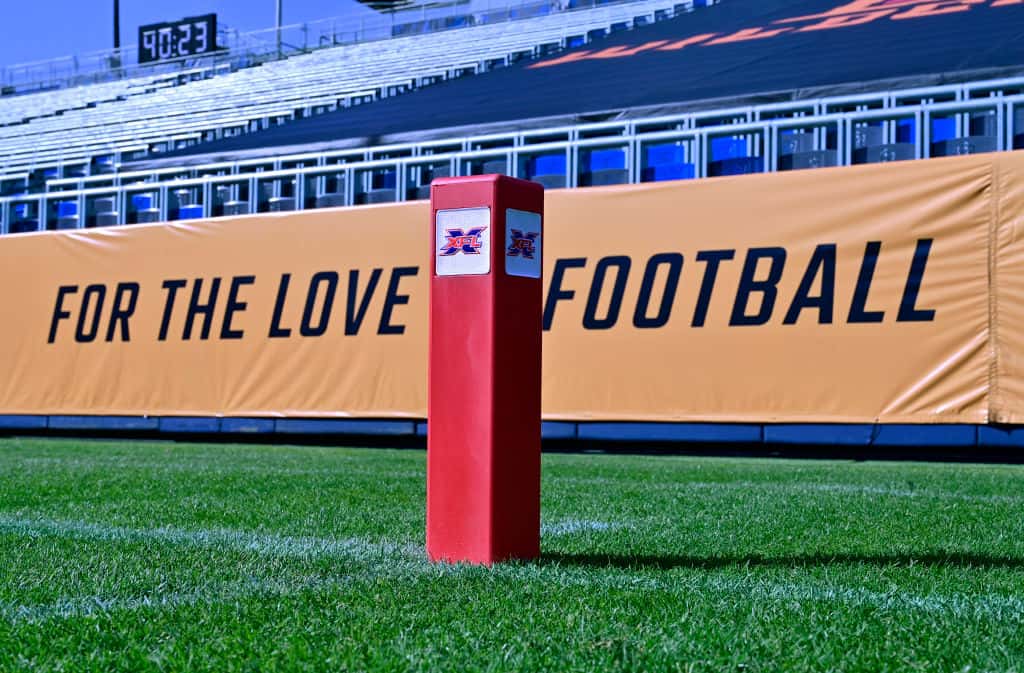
[523, 244]
[467, 242]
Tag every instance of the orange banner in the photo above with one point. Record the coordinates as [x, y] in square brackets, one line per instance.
[886, 293]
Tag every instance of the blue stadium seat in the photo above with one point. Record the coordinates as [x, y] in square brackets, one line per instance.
[548, 164]
[191, 212]
[67, 209]
[548, 169]
[797, 151]
[870, 146]
[24, 218]
[13, 186]
[736, 166]
[792, 142]
[143, 209]
[968, 145]
[67, 214]
[666, 162]
[103, 164]
[384, 179]
[984, 124]
[906, 130]
[604, 167]
[600, 160]
[382, 189]
[981, 136]
[729, 157]
[669, 172]
[101, 212]
[943, 128]
[728, 148]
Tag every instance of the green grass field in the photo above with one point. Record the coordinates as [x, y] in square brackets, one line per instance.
[159, 556]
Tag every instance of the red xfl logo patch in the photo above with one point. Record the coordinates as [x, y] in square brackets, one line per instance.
[465, 241]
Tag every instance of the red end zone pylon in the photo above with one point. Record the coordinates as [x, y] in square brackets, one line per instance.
[483, 432]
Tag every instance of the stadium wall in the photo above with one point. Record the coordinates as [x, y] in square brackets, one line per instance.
[846, 301]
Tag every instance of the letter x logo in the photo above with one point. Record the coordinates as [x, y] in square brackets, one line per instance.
[522, 243]
[467, 242]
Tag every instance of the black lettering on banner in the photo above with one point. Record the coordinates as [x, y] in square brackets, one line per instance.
[234, 306]
[590, 319]
[393, 299]
[908, 305]
[58, 310]
[195, 307]
[83, 334]
[353, 315]
[555, 291]
[172, 287]
[711, 259]
[674, 261]
[276, 331]
[823, 263]
[767, 287]
[307, 328]
[858, 310]
[119, 313]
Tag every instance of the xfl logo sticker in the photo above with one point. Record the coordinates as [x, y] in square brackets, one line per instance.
[466, 242]
[523, 244]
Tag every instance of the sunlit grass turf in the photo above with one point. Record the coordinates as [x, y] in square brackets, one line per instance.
[160, 556]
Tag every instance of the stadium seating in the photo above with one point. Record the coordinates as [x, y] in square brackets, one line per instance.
[973, 117]
[65, 150]
[71, 130]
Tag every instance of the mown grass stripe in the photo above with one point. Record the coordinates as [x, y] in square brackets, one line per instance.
[388, 559]
[258, 543]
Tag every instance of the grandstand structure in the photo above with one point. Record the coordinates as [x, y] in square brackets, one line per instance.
[345, 125]
[94, 127]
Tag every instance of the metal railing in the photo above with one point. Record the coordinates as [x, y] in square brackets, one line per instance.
[794, 110]
[403, 172]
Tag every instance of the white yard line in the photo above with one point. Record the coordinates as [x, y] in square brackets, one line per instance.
[711, 585]
[388, 559]
[258, 543]
[213, 468]
[210, 594]
[571, 526]
[792, 487]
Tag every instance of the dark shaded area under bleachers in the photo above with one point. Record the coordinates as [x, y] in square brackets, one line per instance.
[749, 57]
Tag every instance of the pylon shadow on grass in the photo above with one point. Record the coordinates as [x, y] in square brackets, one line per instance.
[672, 561]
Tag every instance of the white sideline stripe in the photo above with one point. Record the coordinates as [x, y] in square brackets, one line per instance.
[570, 526]
[210, 467]
[405, 560]
[89, 606]
[707, 585]
[796, 487]
[258, 543]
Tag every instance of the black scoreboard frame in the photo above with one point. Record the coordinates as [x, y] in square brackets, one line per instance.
[170, 40]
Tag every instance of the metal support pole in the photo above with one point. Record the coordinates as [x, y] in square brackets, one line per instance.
[279, 13]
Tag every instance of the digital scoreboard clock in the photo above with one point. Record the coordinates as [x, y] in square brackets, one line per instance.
[176, 39]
